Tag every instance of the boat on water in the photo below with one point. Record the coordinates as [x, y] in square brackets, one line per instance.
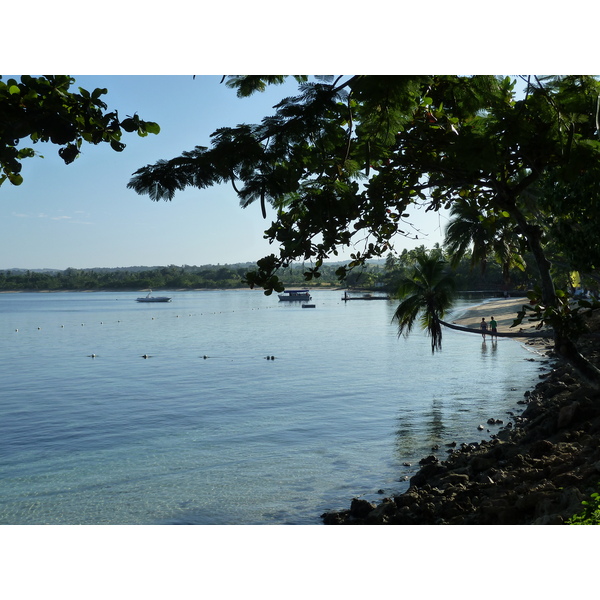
[294, 295]
[346, 297]
[151, 298]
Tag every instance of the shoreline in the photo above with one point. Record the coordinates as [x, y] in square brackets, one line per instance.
[536, 470]
[504, 312]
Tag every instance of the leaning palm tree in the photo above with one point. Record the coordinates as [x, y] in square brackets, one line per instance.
[427, 294]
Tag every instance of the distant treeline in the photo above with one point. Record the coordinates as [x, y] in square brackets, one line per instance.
[381, 275]
[136, 278]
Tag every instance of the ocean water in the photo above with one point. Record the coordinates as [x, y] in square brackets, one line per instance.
[116, 412]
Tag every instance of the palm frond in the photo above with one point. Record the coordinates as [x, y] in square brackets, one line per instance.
[427, 295]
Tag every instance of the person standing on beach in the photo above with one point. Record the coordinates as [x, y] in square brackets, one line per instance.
[494, 328]
[483, 326]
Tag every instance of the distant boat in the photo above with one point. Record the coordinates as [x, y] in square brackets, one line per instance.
[291, 295]
[151, 298]
[347, 297]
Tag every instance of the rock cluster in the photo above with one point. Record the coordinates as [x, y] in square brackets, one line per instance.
[536, 470]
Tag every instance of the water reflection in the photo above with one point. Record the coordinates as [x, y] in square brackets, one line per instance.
[411, 431]
[435, 421]
[490, 348]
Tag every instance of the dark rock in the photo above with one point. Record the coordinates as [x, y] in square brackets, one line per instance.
[360, 508]
[381, 514]
[567, 480]
[456, 479]
[426, 473]
[541, 448]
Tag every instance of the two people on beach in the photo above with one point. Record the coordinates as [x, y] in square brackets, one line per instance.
[484, 328]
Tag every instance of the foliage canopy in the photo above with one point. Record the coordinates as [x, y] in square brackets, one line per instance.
[343, 161]
[43, 109]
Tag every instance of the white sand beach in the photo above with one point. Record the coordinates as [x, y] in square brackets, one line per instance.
[504, 312]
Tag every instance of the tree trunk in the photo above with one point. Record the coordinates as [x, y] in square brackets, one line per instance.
[564, 345]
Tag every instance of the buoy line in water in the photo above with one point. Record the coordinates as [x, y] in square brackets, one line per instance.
[93, 355]
[39, 328]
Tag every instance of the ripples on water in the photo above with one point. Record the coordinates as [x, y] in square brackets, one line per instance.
[233, 438]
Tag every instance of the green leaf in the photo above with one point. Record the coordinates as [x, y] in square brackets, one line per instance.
[15, 179]
[129, 125]
[151, 127]
[99, 92]
[117, 146]
[14, 89]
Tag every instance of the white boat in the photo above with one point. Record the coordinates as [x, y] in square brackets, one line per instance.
[151, 298]
[291, 295]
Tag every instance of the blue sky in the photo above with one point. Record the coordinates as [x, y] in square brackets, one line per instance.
[82, 215]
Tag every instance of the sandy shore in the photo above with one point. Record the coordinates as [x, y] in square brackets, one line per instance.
[504, 311]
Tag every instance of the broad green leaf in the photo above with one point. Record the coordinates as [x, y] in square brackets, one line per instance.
[152, 127]
[117, 146]
[15, 179]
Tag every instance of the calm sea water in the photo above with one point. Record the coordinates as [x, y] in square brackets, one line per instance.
[207, 430]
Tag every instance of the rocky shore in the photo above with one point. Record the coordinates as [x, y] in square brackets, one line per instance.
[536, 470]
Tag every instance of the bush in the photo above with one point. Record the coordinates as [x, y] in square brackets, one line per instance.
[590, 514]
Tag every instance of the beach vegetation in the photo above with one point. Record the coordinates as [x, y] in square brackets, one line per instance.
[590, 514]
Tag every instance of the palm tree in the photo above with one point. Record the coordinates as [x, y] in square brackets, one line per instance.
[489, 236]
[427, 294]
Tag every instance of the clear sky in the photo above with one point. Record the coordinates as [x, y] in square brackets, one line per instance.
[82, 215]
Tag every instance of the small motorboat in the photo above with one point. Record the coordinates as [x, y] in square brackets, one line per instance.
[294, 295]
[151, 298]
